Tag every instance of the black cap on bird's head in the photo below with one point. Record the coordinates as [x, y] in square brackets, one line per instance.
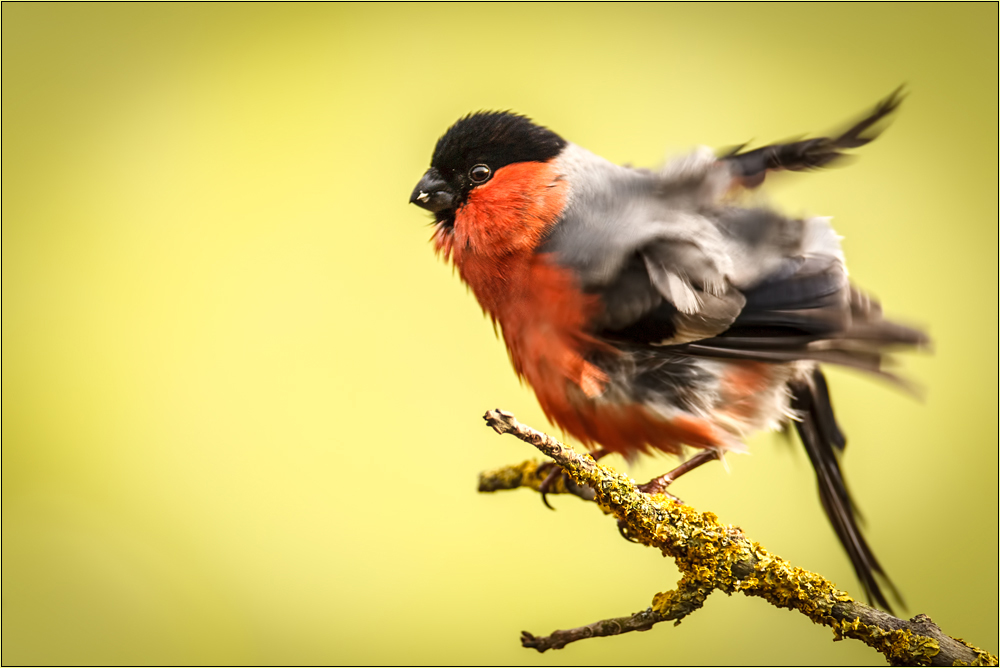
[472, 150]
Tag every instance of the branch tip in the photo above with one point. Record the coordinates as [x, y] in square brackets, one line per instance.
[501, 422]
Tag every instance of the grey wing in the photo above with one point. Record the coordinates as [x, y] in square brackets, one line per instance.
[673, 266]
[640, 239]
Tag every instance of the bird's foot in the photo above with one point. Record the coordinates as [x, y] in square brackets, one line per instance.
[551, 481]
[659, 486]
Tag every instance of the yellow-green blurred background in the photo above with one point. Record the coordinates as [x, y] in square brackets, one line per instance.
[242, 399]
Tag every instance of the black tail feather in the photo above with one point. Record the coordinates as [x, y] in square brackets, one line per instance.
[825, 419]
[821, 437]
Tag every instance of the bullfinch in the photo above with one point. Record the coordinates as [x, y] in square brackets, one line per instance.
[659, 310]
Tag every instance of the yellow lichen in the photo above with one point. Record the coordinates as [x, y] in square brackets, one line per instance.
[983, 658]
[900, 647]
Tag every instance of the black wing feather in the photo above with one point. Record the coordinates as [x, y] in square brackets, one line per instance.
[814, 153]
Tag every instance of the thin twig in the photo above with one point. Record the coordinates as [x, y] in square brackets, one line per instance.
[713, 556]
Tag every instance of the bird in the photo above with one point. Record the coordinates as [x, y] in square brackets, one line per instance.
[666, 310]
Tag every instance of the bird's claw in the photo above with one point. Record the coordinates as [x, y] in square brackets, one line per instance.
[549, 481]
[623, 530]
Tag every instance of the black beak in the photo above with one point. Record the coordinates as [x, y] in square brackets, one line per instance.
[433, 193]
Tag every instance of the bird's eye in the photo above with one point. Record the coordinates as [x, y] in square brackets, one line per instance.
[479, 173]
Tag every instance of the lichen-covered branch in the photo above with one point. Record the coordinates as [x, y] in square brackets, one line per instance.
[675, 605]
[530, 474]
[712, 556]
